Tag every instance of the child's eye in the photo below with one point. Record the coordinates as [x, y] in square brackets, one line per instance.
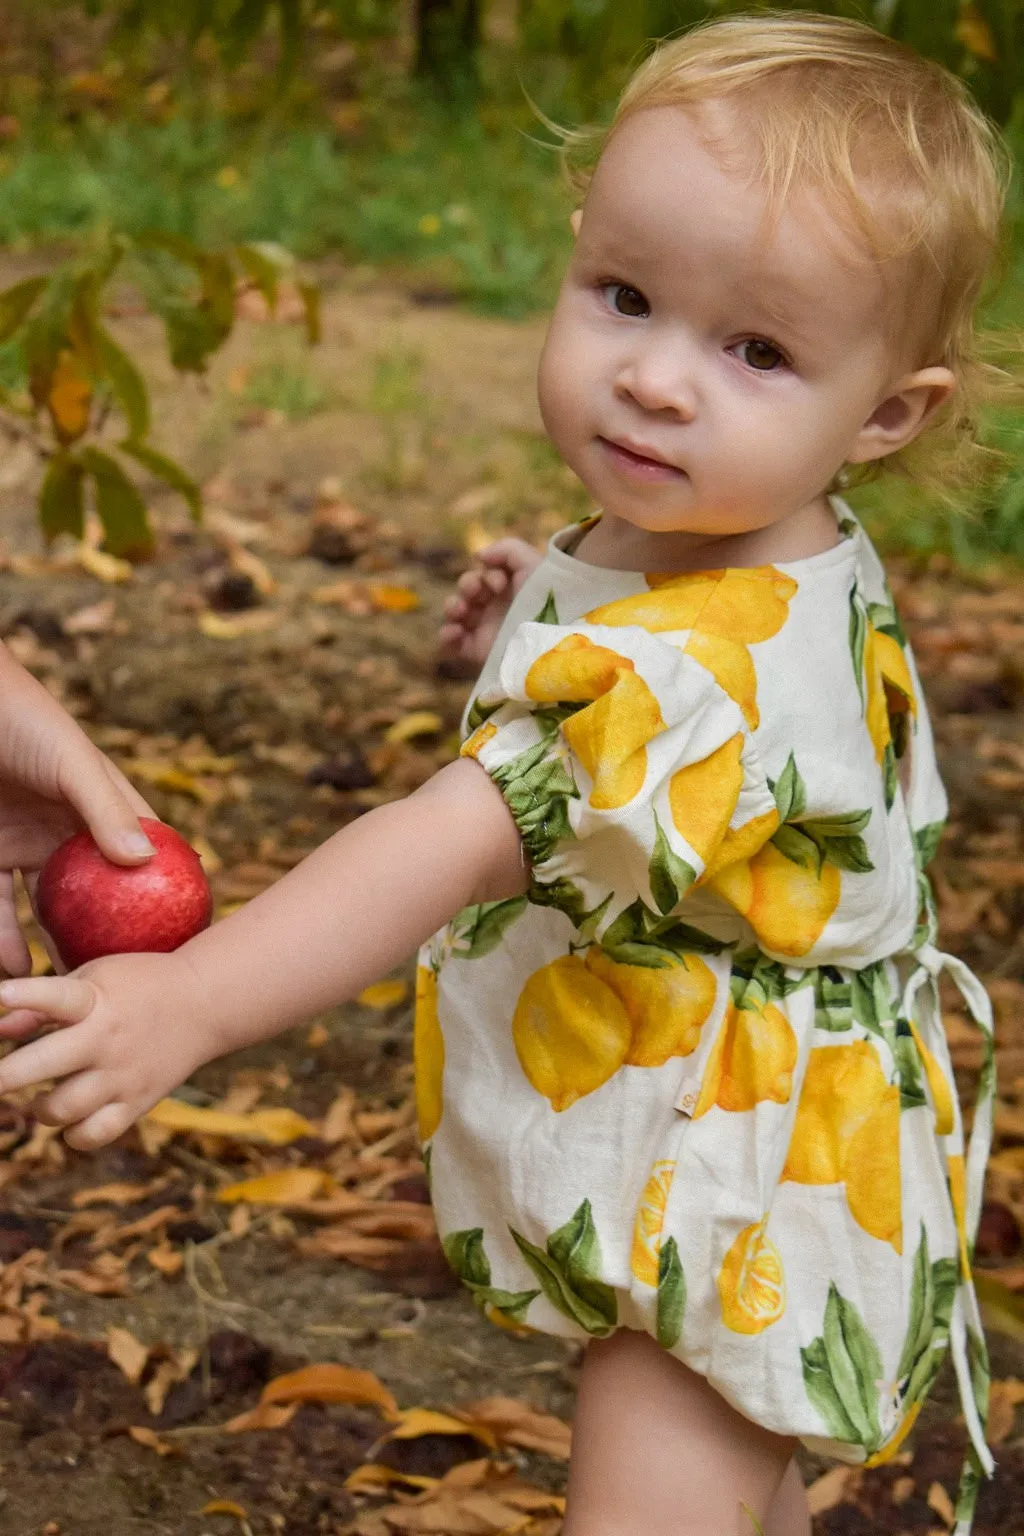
[761, 355]
[625, 300]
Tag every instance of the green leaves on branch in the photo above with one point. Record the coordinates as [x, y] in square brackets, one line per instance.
[80, 380]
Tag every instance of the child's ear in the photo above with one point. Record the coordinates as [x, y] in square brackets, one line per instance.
[898, 418]
[575, 219]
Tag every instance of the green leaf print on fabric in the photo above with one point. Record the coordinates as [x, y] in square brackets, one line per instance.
[639, 936]
[926, 842]
[842, 1370]
[833, 1009]
[981, 1375]
[566, 895]
[537, 790]
[566, 1269]
[670, 875]
[671, 1295]
[931, 1305]
[479, 929]
[811, 842]
[479, 712]
[858, 637]
[467, 1257]
[549, 612]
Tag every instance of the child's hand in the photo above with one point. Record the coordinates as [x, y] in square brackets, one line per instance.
[474, 613]
[131, 1033]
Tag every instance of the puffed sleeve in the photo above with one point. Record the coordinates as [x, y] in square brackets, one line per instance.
[629, 771]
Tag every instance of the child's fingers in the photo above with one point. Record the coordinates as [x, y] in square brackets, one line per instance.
[58, 997]
[53, 1056]
[22, 1022]
[106, 1125]
[74, 1100]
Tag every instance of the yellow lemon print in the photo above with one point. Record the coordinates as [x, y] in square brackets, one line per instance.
[473, 745]
[872, 1167]
[730, 665]
[752, 1060]
[573, 671]
[889, 688]
[702, 797]
[650, 1218]
[890, 1447]
[725, 611]
[741, 843]
[958, 1194]
[751, 1284]
[786, 904]
[841, 1087]
[942, 1094]
[428, 1051]
[570, 1031]
[667, 1005]
[610, 736]
[746, 605]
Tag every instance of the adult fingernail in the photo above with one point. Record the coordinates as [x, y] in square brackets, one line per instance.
[137, 844]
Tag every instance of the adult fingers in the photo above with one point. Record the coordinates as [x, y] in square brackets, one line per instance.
[108, 805]
[14, 953]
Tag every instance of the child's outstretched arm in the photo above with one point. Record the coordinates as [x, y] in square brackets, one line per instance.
[136, 1026]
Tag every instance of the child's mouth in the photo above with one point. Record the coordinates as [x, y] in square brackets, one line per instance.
[637, 466]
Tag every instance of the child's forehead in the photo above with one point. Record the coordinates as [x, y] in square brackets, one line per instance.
[669, 195]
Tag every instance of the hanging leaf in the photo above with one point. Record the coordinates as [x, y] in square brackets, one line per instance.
[61, 499]
[16, 304]
[119, 505]
[69, 398]
[127, 383]
[170, 473]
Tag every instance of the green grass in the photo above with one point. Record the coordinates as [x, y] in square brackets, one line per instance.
[469, 205]
[478, 211]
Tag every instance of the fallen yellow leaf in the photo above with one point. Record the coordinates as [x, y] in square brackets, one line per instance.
[255, 622]
[383, 994]
[392, 599]
[277, 1126]
[329, 1384]
[371, 1476]
[224, 1507]
[281, 1188]
[105, 567]
[128, 1353]
[263, 1416]
[411, 1423]
[149, 1438]
[422, 722]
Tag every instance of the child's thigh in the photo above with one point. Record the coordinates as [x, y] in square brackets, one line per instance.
[657, 1450]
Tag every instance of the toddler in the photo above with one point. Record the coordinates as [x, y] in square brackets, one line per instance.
[682, 1078]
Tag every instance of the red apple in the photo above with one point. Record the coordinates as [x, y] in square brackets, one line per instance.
[91, 907]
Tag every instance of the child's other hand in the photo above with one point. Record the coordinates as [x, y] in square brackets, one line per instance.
[474, 614]
[130, 1034]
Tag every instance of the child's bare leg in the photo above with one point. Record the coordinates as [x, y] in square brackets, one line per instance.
[474, 614]
[788, 1514]
[656, 1450]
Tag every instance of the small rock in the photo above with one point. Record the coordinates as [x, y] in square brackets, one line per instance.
[347, 770]
[232, 592]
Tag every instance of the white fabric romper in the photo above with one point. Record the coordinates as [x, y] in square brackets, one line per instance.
[696, 1082]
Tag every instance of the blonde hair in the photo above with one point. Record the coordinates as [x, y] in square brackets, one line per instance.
[897, 147]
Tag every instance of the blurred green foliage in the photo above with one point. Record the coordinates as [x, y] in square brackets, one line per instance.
[304, 122]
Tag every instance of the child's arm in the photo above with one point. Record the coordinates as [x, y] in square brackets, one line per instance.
[344, 917]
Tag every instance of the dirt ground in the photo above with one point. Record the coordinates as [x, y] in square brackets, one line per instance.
[264, 679]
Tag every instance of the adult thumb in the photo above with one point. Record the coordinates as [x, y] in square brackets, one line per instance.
[110, 807]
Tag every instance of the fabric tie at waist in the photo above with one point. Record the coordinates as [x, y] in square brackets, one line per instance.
[921, 1003]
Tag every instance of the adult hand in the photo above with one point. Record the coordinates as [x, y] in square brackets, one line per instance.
[53, 782]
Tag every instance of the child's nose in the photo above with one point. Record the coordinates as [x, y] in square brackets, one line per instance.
[659, 379]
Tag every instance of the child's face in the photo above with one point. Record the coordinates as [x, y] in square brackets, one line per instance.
[748, 364]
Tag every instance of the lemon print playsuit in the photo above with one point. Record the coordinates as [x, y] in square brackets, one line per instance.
[696, 1081]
